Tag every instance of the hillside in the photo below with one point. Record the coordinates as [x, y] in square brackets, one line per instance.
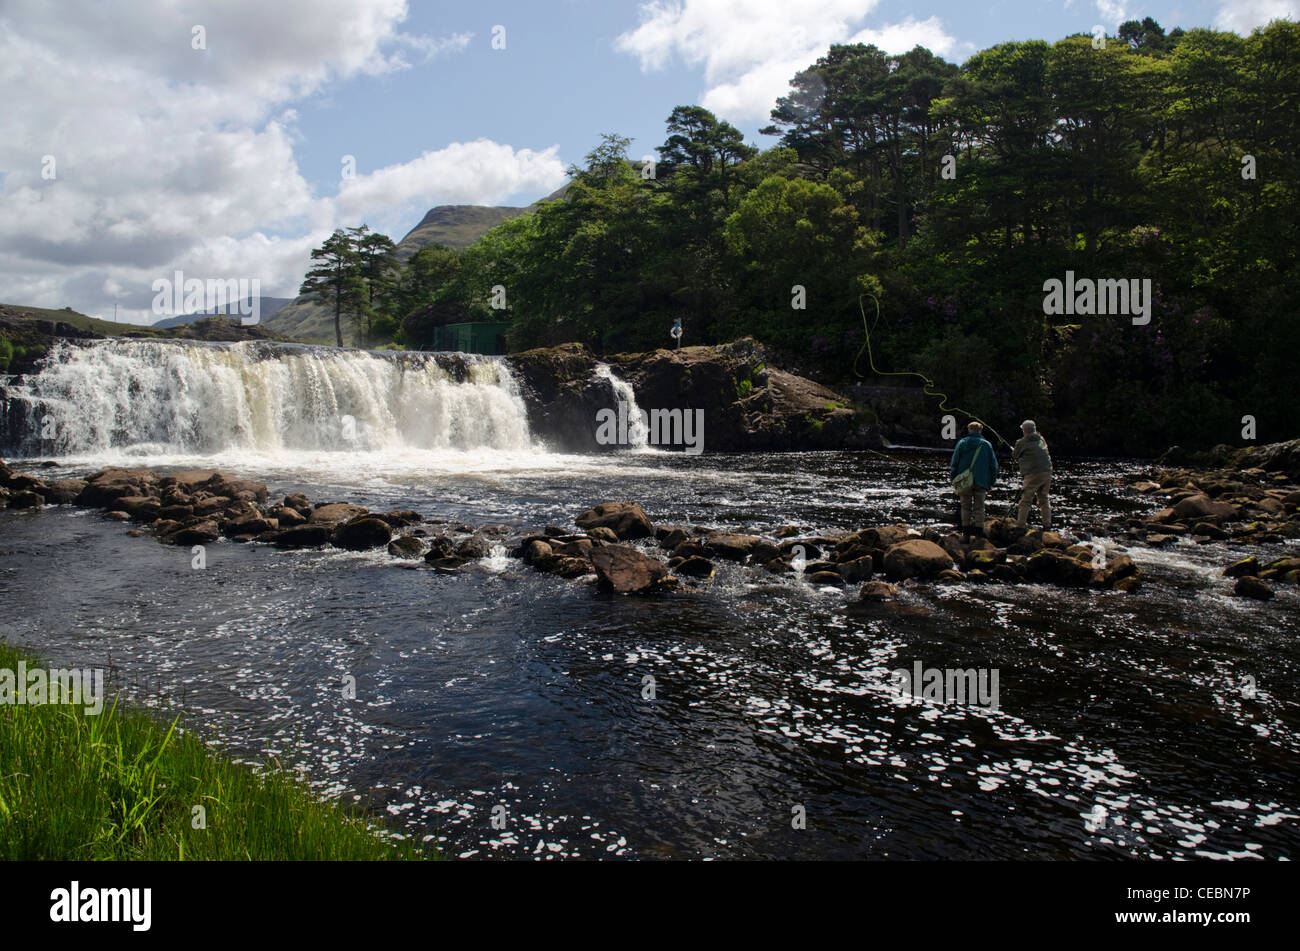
[456, 226]
[269, 306]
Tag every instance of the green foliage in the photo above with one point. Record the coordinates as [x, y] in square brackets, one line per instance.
[744, 388]
[121, 785]
[6, 353]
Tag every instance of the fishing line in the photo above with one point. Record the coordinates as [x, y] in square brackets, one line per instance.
[929, 388]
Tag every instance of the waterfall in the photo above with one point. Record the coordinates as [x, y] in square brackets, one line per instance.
[637, 432]
[165, 396]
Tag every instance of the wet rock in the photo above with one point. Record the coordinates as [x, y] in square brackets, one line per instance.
[731, 546]
[627, 520]
[286, 516]
[602, 534]
[250, 525]
[949, 576]
[181, 513]
[332, 514]
[299, 502]
[915, 558]
[1201, 507]
[363, 534]
[878, 591]
[625, 570]
[106, 485]
[786, 531]
[1248, 586]
[695, 567]
[1283, 565]
[537, 550]
[64, 492]
[1129, 584]
[1246, 566]
[199, 533]
[405, 546]
[764, 552]
[810, 549]
[824, 577]
[885, 537]
[983, 559]
[304, 536]
[400, 518]
[778, 566]
[1057, 567]
[26, 499]
[858, 570]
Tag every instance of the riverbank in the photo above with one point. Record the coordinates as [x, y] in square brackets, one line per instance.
[121, 784]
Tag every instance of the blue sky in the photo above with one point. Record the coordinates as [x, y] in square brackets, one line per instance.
[222, 158]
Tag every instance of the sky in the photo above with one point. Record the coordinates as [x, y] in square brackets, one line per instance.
[227, 139]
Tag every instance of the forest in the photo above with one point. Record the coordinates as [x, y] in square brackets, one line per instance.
[931, 206]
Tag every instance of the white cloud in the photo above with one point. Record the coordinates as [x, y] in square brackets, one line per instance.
[1113, 13]
[750, 49]
[1242, 16]
[167, 157]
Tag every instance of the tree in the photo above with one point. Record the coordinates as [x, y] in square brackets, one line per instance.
[336, 278]
[377, 268]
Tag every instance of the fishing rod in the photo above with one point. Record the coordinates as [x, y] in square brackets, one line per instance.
[929, 387]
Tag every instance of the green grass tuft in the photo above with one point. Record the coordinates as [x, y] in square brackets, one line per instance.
[122, 785]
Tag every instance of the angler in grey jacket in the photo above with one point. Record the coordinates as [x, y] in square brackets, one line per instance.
[1035, 463]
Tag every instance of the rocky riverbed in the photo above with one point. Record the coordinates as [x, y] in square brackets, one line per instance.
[618, 547]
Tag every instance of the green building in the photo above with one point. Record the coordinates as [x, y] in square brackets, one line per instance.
[487, 337]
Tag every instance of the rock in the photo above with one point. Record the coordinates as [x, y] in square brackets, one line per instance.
[1248, 586]
[205, 504]
[567, 566]
[1283, 565]
[64, 492]
[1057, 567]
[884, 538]
[26, 499]
[335, 513]
[764, 552]
[405, 546]
[602, 534]
[878, 591]
[304, 536]
[1246, 566]
[1159, 541]
[983, 559]
[810, 549]
[108, 484]
[696, 567]
[858, 570]
[949, 576]
[400, 518]
[1201, 507]
[915, 558]
[1129, 584]
[362, 534]
[778, 566]
[627, 520]
[250, 525]
[824, 577]
[625, 570]
[536, 551]
[1145, 486]
[200, 533]
[1209, 530]
[286, 516]
[731, 546]
[299, 502]
[786, 531]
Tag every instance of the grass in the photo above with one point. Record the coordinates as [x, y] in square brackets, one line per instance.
[106, 327]
[124, 785]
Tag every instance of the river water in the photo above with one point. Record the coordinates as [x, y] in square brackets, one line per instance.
[1126, 725]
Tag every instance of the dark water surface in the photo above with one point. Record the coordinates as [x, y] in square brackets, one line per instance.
[1122, 728]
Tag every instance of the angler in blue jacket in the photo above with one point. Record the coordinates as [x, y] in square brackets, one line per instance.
[975, 453]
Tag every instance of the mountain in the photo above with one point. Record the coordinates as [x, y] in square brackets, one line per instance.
[269, 306]
[457, 226]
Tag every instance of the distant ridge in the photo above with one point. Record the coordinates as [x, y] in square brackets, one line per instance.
[455, 226]
[269, 306]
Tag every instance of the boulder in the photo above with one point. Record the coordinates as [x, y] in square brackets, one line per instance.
[400, 518]
[878, 591]
[304, 536]
[200, 533]
[915, 558]
[602, 534]
[696, 567]
[625, 570]
[405, 546]
[824, 577]
[627, 520]
[250, 525]
[64, 492]
[731, 546]
[26, 499]
[1246, 566]
[1200, 507]
[884, 538]
[362, 534]
[286, 516]
[335, 513]
[1248, 586]
[858, 570]
[1057, 567]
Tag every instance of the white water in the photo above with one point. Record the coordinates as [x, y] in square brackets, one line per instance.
[164, 399]
[637, 431]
